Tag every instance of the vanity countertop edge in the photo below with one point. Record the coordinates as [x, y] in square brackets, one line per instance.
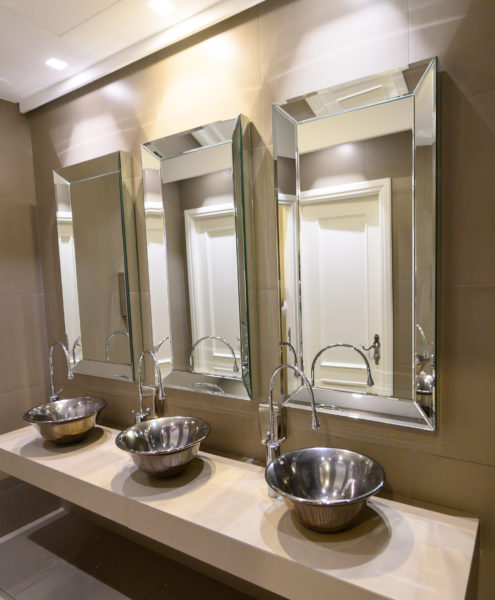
[218, 511]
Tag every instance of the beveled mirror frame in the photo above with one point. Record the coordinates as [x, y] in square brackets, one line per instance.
[418, 408]
[120, 164]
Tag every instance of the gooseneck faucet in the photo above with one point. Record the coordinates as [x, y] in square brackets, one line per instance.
[109, 339]
[341, 345]
[142, 413]
[74, 346]
[273, 440]
[53, 394]
[235, 368]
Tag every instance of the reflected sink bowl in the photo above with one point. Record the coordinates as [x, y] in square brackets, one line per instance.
[326, 488]
[64, 421]
[163, 447]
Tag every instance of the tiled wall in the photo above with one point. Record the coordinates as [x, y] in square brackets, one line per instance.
[23, 368]
[277, 50]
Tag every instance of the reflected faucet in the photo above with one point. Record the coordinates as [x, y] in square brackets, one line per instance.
[292, 349]
[342, 345]
[53, 394]
[212, 337]
[109, 339]
[74, 346]
[276, 434]
[159, 345]
[142, 413]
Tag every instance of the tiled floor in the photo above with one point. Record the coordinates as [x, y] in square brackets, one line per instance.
[63, 556]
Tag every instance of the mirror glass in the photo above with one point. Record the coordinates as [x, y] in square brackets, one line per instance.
[198, 215]
[98, 262]
[356, 189]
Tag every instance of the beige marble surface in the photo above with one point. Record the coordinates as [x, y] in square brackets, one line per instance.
[219, 512]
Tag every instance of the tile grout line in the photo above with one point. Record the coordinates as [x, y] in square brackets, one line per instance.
[31, 525]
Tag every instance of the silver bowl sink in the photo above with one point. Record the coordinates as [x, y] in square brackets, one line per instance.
[163, 447]
[326, 488]
[63, 421]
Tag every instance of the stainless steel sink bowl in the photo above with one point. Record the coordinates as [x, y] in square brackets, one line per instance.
[163, 447]
[326, 488]
[64, 421]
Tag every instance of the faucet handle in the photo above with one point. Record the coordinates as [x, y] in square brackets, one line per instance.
[140, 416]
[56, 395]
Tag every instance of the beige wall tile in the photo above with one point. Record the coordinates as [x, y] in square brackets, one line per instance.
[19, 248]
[15, 404]
[16, 175]
[23, 348]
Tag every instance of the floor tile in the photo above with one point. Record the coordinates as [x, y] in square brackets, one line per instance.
[187, 584]
[125, 566]
[67, 582]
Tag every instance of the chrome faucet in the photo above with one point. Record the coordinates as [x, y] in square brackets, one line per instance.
[276, 434]
[142, 413]
[159, 345]
[342, 345]
[212, 337]
[53, 394]
[109, 339]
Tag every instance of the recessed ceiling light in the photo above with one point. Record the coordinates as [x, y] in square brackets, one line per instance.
[162, 7]
[55, 63]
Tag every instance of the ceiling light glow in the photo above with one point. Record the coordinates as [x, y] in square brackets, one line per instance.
[57, 64]
[161, 7]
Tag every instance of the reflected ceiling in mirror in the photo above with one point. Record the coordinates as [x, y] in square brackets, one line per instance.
[98, 263]
[198, 217]
[355, 169]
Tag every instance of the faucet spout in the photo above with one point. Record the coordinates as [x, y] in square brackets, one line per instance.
[370, 381]
[273, 443]
[55, 395]
[142, 413]
[235, 367]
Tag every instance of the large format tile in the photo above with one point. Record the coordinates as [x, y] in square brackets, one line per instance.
[16, 175]
[125, 571]
[65, 581]
[334, 43]
[21, 262]
[187, 584]
[460, 33]
[15, 404]
[23, 348]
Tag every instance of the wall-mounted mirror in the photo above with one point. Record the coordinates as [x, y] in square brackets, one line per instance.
[98, 262]
[198, 216]
[355, 172]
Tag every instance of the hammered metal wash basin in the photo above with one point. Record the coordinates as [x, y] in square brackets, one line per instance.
[163, 447]
[64, 421]
[326, 488]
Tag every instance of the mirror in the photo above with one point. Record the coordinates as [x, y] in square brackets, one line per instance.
[98, 262]
[355, 174]
[199, 238]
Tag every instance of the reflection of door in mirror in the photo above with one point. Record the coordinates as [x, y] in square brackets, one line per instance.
[94, 261]
[213, 295]
[154, 218]
[346, 246]
[355, 185]
[199, 182]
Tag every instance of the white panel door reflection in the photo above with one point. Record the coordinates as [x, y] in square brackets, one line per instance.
[213, 293]
[346, 283]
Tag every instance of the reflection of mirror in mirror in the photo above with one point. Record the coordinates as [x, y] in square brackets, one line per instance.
[355, 179]
[195, 228]
[94, 260]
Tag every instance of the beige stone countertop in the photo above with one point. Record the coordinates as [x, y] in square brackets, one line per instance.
[218, 511]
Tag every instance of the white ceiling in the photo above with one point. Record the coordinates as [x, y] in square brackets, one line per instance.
[95, 37]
